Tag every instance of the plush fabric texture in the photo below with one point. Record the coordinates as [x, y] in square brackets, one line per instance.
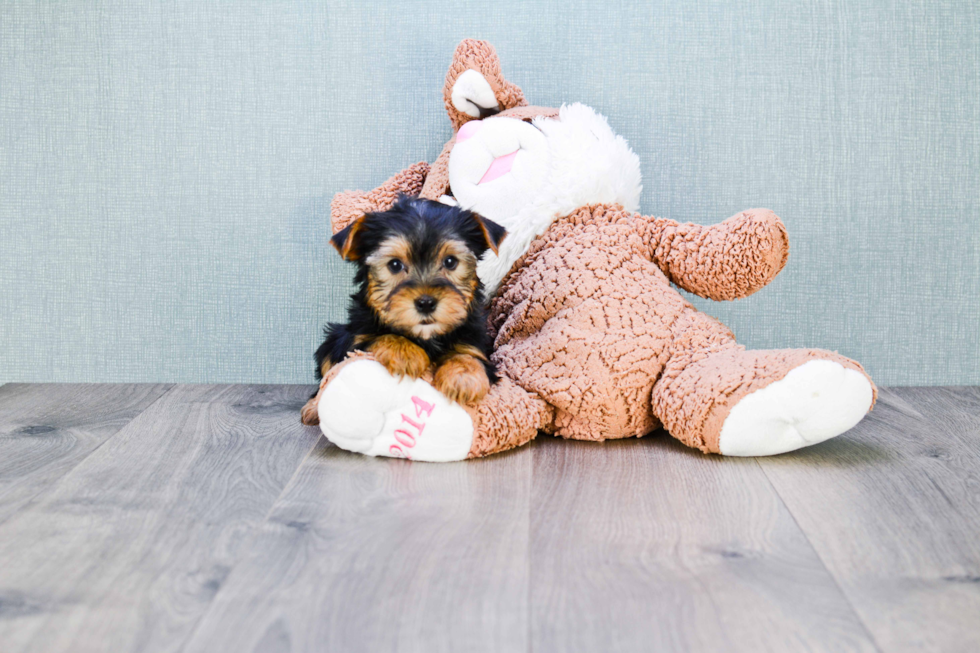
[589, 323]
[508, 417]
[349, 205]
[472, 54]
[568, 160]
[590, 338]
[818, 400]
[366, 410]
[437, 182]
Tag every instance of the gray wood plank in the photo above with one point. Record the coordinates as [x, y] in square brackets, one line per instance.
[47, 429]
[649, 546]
[130, 547]
[367, 554]
[893, 509]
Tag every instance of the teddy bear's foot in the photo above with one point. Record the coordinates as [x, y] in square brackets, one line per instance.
[815, 401]
[736, 402]
[366, 410]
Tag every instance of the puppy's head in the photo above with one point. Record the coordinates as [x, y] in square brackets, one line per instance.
[417, 263]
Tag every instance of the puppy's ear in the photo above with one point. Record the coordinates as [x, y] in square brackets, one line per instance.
[346, 240]
[492, 233]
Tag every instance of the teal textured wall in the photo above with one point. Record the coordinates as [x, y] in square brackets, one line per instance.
[166, 169]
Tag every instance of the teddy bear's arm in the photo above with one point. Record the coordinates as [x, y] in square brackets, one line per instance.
[437, 181]
[349, 205]
[728, 260]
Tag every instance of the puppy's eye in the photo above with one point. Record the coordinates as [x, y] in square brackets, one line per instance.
[450, 262]
[395, 266]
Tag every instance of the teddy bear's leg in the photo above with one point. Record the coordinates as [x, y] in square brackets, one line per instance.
[508, 417]
[716, 396]
[364, 409]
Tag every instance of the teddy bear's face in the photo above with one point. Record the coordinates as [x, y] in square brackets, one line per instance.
[497, 166]
[524, 175]
[501, 167]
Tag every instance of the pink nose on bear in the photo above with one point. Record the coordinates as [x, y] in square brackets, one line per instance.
[468, 130]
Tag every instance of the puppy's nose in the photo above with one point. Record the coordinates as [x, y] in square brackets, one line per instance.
[425, 304]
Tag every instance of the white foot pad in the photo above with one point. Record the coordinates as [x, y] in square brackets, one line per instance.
[366, 410]
[814, 402]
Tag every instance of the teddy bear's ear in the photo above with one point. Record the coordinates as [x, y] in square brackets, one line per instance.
[475, 88]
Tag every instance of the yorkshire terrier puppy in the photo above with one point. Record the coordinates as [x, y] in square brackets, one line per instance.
[418, 297]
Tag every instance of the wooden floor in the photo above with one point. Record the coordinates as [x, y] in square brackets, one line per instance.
[206, 518]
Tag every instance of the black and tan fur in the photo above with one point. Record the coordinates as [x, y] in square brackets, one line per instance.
[418, 297]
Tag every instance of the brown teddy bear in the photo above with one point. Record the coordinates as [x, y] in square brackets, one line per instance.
[590, 339]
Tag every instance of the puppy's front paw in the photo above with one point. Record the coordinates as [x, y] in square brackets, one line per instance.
[400, 356]
[462, 379]
[310, 415]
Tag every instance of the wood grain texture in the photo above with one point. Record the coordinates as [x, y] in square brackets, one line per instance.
[47, 429]
[893, 510]
[128, 550]
[211, 522]
[365, 554]
[648, 546]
